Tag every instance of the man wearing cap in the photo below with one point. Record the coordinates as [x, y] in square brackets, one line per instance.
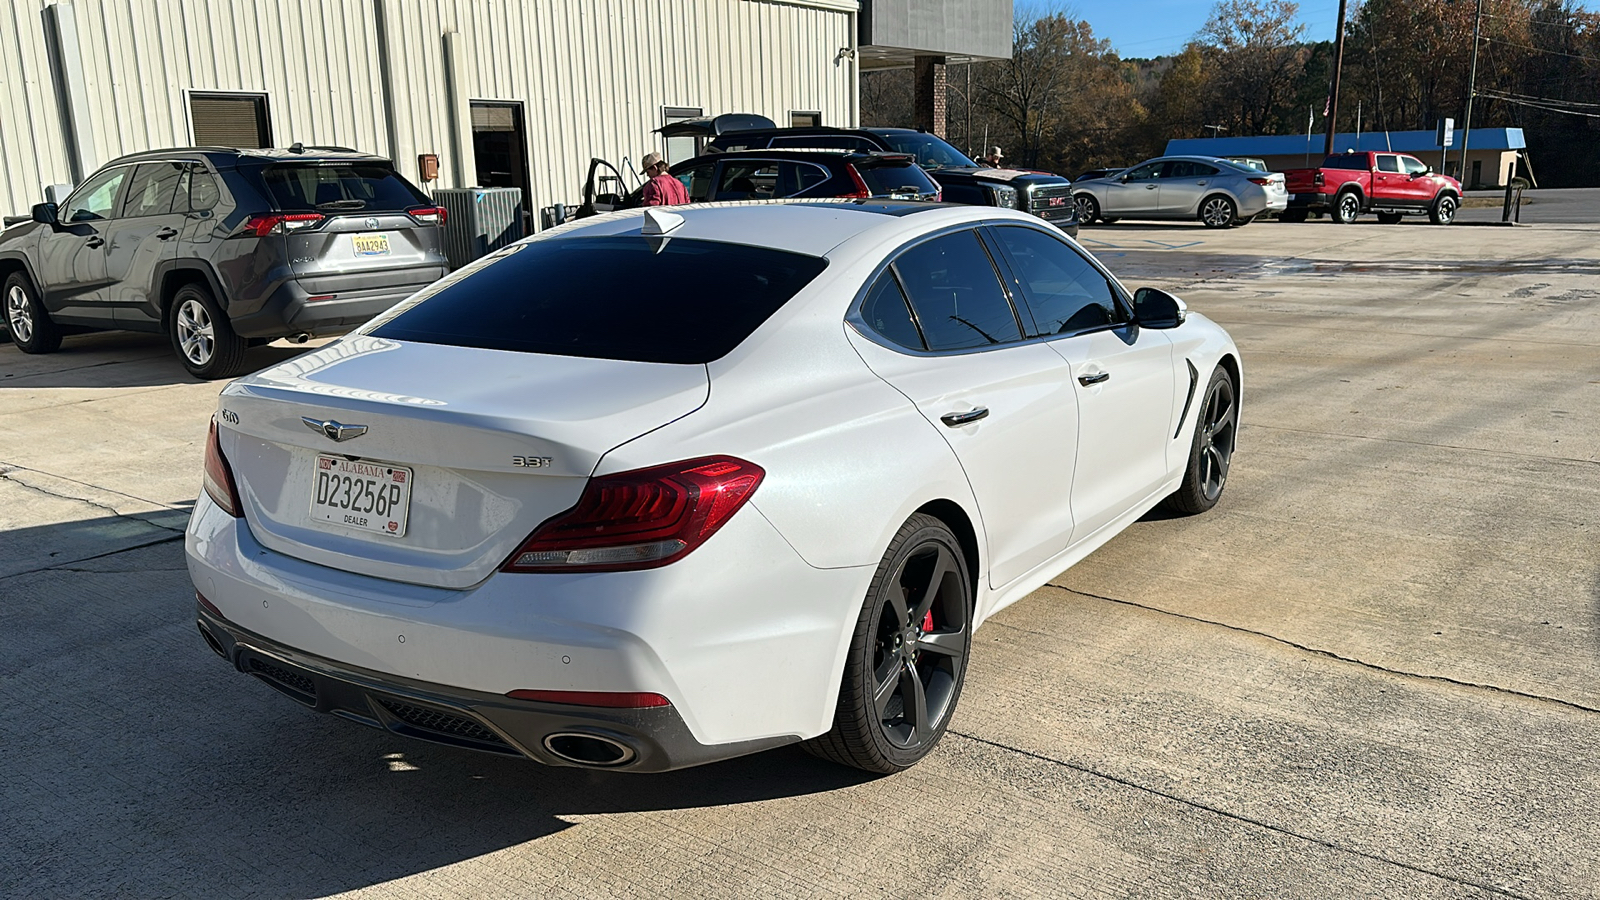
[662, 189]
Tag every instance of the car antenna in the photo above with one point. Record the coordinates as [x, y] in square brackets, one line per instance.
[297, 147]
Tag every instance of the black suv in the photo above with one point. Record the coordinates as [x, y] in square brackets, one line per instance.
[771, 175]
[220, 249]
[963, 181]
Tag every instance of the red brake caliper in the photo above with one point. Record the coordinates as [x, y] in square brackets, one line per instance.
[927, 621]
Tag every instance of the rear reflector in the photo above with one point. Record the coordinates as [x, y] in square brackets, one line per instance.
[608, 699]
[219, 477]
[210, 607]
[640, 519]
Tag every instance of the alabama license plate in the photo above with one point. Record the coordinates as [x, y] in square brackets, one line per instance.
[366, 496]
[371, 244]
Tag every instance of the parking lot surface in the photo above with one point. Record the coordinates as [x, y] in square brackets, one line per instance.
[1372, 671]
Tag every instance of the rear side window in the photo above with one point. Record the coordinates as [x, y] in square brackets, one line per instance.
[957, 296]
[754, 180]
[151, 191]
[885, 312]
[896, 180]
[1063, 291]
[622, 297]
[697, 181]
[1387, 163]
[339, 186]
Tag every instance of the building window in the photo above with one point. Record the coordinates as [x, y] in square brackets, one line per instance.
[681, 148]
[230, 120]
[804, 119]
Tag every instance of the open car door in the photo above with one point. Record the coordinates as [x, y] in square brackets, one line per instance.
[604, 190]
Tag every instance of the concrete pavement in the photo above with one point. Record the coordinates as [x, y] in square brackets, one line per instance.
[1370, 672]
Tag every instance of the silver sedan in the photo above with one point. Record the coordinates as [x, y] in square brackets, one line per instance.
[1217, 192]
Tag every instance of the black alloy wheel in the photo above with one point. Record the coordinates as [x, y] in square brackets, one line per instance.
[1088, 209]
[908, 655]
[1443, 211]
[1347, 208]
[1211, 453]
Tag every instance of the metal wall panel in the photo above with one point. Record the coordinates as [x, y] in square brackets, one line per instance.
[939, 27]
[593, 75]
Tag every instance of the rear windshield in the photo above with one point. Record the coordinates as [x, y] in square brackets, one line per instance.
[893, 181]
[930, 152]
[336, 186]
[630, 298]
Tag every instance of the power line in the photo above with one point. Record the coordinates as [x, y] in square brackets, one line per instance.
[1540, 49]
[1538, 103]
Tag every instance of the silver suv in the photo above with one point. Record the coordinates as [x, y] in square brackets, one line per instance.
[221, 249]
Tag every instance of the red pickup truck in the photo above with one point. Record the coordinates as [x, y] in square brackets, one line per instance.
[1393, 185]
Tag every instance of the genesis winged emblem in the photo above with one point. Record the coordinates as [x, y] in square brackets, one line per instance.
[335, 431]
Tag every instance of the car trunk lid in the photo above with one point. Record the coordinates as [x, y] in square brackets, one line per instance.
[491, 443]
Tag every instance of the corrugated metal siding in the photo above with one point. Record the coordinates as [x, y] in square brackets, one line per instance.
[33, 146]
[593, 75]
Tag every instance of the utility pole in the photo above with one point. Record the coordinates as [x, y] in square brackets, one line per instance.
[1333, 92]
[1472, 89]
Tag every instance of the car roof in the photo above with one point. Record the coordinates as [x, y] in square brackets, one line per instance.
[269, 154]
[811, 227]
[801, 153]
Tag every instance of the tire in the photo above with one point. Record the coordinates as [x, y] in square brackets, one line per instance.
[1211, 452]
[1088, 209]
[1443, 210]
[894, 660]
[1346, 208]
[30, 325]
[1389, 218]
[1217, 211]
[1292, 215]
[202, 336]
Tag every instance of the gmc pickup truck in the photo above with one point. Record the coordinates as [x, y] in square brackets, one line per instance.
[1393, 185]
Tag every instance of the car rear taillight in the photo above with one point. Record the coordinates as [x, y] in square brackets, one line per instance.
[861, 191]
[640, 519]
[428, 215]
[608, 699]
[1317, 179]
[281, 223]
[219, 477]
[1261, 181]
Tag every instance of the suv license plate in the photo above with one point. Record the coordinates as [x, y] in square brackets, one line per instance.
[366, 496]
[371, 244]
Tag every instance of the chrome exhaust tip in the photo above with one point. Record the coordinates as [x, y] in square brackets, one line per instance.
[590, 750]
[300, 338]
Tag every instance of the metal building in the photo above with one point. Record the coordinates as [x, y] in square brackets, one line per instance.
[504, 92]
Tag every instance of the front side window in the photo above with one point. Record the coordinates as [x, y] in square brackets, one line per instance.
[1413, 166]
[697, 181]
[1063, 290]
[956, 293]
[96, 198]
[1145, 172]
[622, 297]
[1387, 163]
[152, 189]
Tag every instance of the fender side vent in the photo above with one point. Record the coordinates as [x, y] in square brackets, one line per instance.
[1188, 400]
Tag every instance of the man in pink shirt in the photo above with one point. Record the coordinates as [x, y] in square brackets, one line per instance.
[662, 189]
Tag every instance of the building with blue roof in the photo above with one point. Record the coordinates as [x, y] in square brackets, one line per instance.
[1491, 154]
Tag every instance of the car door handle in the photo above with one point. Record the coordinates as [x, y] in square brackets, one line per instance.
[165, 233]
[1200, 183]
[1096, 378]
[956, 420]
[1149, 187]
[94, 242]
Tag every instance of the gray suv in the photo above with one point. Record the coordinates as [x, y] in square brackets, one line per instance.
[221, 249]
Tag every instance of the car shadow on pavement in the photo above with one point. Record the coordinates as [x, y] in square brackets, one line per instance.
[142, 764]
[115, 359]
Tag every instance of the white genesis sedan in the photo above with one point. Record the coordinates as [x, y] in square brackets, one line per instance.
[662, 488]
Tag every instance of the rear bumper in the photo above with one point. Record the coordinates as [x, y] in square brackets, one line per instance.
[650, 740]
[1310, 202]
[347, 302]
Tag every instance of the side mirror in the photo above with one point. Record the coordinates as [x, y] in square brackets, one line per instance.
[44, 213]
[1154, 308]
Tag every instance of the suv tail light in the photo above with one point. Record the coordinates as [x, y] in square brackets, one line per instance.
[641, 519]
[429, 215]
[219, 477]
[281, 223]
[862, 192]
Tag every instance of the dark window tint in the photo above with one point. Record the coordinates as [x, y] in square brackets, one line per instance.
[1065, 293]
[150, 193]
[885, 181]
[633, 298]
[929, 151]
[885, 311]
[96, 198]
[753, 180]
[823, 142]
[1145, 172]
[339, 186]
[957, 296]
[1346, 161]
[1387, 163]
[204, 192]
[1201, 170]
